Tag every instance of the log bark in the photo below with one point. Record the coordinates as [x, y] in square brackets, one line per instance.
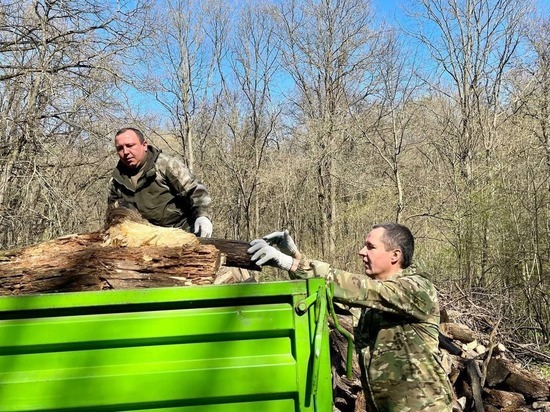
[233, 252]
[457, 331]
[81, 262]
[129, 253]
[510, 377]
[502, 399]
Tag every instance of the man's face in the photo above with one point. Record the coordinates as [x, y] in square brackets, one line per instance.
[130, 150]
[379, 262]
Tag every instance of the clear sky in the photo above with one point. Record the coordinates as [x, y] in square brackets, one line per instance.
[388, 9]
[391, 10]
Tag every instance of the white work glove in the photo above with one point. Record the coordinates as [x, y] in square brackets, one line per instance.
[203, 227]
[283, 241]
[264, 254]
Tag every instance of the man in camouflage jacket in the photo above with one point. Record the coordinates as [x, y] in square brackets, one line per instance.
[397, 334]
[161, 188]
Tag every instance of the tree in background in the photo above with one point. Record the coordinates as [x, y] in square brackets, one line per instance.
[180, 69]
[249, 116]
[58, 66]
[472, 45]
[327, 49]
[526, 240]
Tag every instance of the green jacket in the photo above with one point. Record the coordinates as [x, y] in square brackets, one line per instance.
[396, 339]
[166, 194]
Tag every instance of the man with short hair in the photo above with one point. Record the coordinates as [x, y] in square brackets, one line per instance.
[397, 335]
[160, 187]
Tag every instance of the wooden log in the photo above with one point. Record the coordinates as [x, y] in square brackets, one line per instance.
[457, 331]
[128, 253]
[81, 262]
[543, 406]
[448, 345]
[474, 379]
[511, 377]
[497, 372]
[233, 252]
[503, 399]
[126, 227]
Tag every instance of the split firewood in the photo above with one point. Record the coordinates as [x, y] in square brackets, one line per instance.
[457, 331]
[503, 399]
[508, 375]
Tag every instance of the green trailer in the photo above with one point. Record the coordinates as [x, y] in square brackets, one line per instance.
[240, 347]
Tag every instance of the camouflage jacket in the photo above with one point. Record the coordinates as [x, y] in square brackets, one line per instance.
[166, 194]
[396, 338]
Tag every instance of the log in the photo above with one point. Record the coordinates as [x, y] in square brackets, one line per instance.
[128, 253]
[127, 228]
[457, 331]
[233, 252]
[542, 405]
[510, 377]
[503, 399]
[82, 262]
[473, 373]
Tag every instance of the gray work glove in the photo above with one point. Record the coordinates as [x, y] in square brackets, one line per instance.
[203, 227]
[264, 254]
[283, 241]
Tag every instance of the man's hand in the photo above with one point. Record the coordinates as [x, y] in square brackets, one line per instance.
[203, 227]
[284, 242]
[264, 254]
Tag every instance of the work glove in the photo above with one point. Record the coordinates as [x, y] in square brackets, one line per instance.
[283, 241]
[203, 227]
[265, 254]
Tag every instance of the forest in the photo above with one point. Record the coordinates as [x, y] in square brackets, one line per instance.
[317, 116]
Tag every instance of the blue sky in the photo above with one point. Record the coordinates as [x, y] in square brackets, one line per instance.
[392, 9]
[388, 8]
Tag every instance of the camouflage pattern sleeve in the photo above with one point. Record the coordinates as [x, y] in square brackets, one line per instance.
[411, 295]
[186, 184]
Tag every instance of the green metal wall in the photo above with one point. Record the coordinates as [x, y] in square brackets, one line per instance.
[211, 348]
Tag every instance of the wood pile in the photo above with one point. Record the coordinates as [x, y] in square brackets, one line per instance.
[486, 375]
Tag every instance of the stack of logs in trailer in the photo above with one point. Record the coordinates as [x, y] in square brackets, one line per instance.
[483, 373]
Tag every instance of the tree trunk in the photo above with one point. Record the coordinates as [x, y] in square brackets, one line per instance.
[128, 254]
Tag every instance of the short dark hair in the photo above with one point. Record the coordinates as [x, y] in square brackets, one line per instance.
[138, 132]
[397, 236]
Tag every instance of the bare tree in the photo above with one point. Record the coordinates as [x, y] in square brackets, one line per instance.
[386, 124]
[327, 49]
[250, 112]
[183, 66]
[471, 44]
[57, 60]
[532, 204]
